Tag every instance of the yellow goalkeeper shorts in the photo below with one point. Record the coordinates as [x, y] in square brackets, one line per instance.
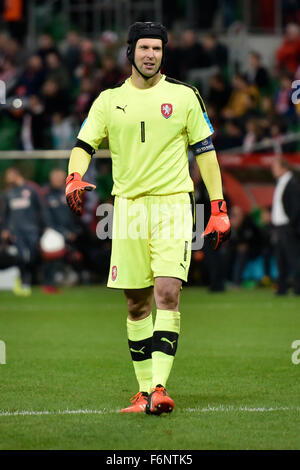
[152, 237]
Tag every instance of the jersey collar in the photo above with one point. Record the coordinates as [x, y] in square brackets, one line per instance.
[146, 90]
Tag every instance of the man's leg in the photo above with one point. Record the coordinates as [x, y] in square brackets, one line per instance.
[140, 331]
[164, 344]
[166, 328]
[292, 254]
[25, 255]
[282, 264]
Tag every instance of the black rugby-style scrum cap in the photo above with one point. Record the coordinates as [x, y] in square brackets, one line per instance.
[148, 29]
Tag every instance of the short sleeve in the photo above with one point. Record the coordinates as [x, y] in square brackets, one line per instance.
[94, 128]
[198, 124]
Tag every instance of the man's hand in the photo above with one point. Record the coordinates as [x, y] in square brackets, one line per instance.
[74, 189]
[218, 227]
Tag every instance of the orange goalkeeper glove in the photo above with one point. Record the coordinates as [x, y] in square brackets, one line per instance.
[74, 189]
[218, 227]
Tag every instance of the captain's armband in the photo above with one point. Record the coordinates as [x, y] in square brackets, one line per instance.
[203, 146]
[84, 146]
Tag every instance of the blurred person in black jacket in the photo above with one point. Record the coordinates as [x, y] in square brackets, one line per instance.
[257, 74]
[72, 52]
[32, 79]
[268, 244]
[23, 222]
[172, 59]
[231, 137]
[285, 218]
[245, 244]
[192, 55]
[55, 100]
[212, 261]
[219, 92]
[216, 53]
[60, 219]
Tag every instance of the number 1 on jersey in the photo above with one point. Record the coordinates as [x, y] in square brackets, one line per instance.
[142, 131]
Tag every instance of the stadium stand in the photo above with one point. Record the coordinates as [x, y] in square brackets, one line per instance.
[51, 85]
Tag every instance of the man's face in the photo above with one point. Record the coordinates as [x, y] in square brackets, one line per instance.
[276, 168]
[10, 177]
[57, 179]
[148, 55]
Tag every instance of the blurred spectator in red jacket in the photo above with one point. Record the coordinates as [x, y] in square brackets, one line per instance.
[288, 54]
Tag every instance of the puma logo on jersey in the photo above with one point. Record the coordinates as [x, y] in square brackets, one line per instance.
[120, 107]
[138, 351]
[168, 341]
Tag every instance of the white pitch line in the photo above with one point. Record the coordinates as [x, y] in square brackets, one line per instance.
[56, 412]
[227, 409]
[207, 409]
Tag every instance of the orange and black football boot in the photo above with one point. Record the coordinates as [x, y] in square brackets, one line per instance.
[159, 401]
[139, 402]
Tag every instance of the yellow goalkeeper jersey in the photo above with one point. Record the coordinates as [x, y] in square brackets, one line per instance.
[149, 131]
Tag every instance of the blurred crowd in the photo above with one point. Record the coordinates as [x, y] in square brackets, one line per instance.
[49, 91]
[33, 217]
[41, 236]
[53, 248]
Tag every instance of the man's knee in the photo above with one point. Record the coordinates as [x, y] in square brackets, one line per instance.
[139, 304]
[167, 296]
[138, 309]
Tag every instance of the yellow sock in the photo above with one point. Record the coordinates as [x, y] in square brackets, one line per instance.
[164, 345]
[140, 345]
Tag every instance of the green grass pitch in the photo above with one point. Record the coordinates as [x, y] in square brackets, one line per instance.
[233, 380]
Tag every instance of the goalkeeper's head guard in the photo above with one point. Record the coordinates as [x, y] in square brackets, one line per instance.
[140, 30]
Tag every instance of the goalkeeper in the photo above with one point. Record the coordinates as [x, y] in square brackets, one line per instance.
[150, 121]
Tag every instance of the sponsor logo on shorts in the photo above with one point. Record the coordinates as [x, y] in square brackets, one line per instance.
[114, 273]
